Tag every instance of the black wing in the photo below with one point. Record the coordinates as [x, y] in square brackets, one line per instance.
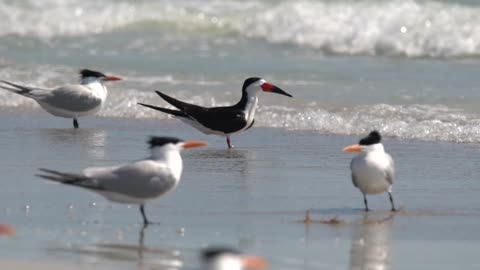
[224, 119]
[165, 110]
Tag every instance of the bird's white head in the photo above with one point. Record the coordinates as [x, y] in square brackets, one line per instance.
[253, 85]
[367, 144]
[89, 76]
[230, 259]
[167, 149]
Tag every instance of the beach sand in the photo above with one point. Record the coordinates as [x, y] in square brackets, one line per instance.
[254, 197]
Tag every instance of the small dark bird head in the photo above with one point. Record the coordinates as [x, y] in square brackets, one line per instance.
[211, 253]
[177, 143]
[262, 84]
[86, 74]
[250, 81]
[373, 138]
[223, 258]
[369, 143]
[161, 141]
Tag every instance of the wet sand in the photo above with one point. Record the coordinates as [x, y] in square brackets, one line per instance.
[253, 197]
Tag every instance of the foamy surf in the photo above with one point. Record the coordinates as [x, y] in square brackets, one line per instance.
[388, 28]
[426, 122]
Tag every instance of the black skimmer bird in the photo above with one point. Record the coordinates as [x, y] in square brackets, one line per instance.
[136, 182]
[222, 121]
[373, 170]
[221, 258]
[69, 101]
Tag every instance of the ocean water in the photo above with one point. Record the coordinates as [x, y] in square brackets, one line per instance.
[407, 68]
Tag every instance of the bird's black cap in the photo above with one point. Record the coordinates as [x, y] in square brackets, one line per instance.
[85, 73]
[160, 141]
[212, 252]
[373, 138]
[249, 81]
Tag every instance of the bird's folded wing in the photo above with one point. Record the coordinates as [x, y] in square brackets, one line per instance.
[226, 119]
[221, 118]
[132, 179]
[72, 97]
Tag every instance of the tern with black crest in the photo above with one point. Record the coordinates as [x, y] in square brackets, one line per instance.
[136, 182]
[69, 101]
[222, 121]
[373, 170]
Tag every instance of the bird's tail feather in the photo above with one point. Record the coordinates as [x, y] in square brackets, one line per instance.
[64, 178]
[70, 179]
[169, 111]
[19, 89]
[174, 102]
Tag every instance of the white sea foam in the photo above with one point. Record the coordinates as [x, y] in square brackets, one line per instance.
[409, 28]
[427, 122]
[402, 27]
[50, 18]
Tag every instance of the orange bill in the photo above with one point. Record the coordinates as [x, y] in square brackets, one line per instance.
[6, 229]
[254, 262]
[191, 143]
[353, 148]
[112, 78]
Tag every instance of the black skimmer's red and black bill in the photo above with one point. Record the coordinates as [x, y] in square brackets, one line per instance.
[223, 258]
[69, 101]
[373, 170]
[136, 182]
[222, 121]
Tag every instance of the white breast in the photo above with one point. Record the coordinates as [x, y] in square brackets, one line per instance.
[370, 172]
[250, 109]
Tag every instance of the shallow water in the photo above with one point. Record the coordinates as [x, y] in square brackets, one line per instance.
[253, 197]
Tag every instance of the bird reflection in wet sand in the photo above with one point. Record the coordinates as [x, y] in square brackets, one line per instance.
[371, 243]
[142, 256]
[235, 161]
[91, 140]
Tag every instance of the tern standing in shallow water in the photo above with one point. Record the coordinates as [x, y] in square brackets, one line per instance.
[222, 121]
[373, 169]
[69, 101]
[136, 182]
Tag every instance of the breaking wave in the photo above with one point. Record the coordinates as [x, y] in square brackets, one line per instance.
[409, 28]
